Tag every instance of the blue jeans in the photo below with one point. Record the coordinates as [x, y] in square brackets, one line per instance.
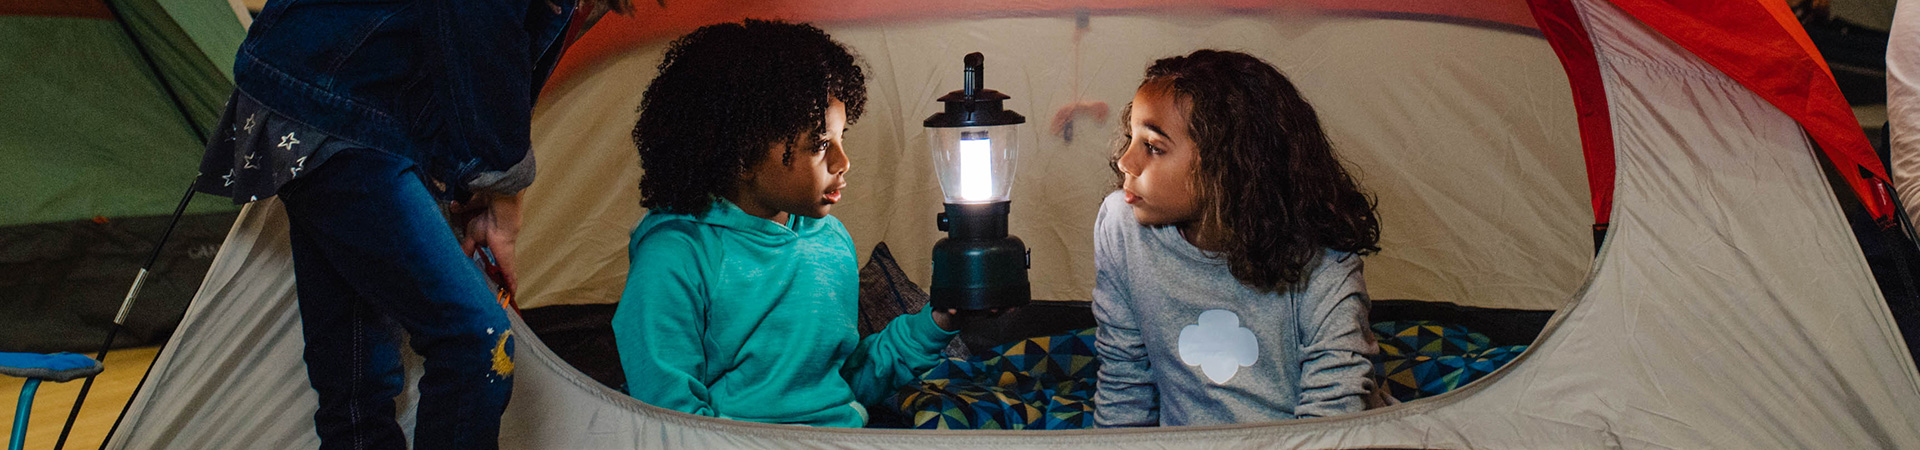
[370, 249]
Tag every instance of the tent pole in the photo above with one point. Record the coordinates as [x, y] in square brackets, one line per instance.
[1906, 313]
[1900, 215]
[120, 321]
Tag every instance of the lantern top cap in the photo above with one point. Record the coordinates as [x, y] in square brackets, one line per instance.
[973, 105]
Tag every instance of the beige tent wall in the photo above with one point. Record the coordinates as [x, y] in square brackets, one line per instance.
[1465, 133]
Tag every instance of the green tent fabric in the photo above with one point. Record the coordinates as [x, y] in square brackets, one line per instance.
[103, 109]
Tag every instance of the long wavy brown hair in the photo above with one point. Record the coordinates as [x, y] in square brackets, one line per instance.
[1273, 195]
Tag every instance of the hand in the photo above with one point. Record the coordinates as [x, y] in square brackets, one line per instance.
[953, 319]
[492, 222]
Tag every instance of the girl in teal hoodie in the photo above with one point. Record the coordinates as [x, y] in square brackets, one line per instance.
[742, 297]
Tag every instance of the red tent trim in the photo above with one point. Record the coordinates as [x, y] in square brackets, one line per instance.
[1760, 46]
[1564, 30]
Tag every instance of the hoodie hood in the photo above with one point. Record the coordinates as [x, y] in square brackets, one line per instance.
[748, 228]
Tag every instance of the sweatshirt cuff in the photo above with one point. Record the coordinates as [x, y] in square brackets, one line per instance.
[504, 182]
[925, 331]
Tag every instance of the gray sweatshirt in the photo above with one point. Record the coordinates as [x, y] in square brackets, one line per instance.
[1181, 342]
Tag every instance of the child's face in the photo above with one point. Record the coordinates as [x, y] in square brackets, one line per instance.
[1159, 158]
[808, 187]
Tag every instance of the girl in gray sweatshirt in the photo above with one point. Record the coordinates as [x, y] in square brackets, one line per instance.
[1229, 284]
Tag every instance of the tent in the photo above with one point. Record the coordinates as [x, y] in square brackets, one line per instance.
[103, 109]
[1727, 306]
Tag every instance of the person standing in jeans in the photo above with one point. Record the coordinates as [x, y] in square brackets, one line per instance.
[364, 118]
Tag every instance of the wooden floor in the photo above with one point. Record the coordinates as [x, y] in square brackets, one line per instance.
[111, 390]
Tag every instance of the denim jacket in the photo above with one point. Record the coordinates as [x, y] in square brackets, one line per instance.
[450, 84]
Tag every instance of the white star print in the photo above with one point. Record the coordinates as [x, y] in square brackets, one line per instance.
[228, 177]
[297, 165]
[288, 141]
[250, 164]
[249, 126]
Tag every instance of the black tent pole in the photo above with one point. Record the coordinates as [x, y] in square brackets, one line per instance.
[126, 305]
[120, 321]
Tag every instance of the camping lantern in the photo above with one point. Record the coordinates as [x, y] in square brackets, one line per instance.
[978, 266]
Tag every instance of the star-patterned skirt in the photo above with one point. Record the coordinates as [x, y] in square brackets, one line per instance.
[255, 150]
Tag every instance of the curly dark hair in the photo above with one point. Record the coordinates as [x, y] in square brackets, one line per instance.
[1272, 193]
[727, 91]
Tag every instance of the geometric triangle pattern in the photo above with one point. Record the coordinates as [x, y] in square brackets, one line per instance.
[1420, 359]
[1429, 338]
[1047, 383]
[1042, 383]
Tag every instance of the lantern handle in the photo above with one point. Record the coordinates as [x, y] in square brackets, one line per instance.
[974, 77]
[973, 105]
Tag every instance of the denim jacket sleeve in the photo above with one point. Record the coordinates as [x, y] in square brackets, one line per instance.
[449, 84]
[489, 61]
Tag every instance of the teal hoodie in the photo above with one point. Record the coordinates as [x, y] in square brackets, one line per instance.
[732, 315]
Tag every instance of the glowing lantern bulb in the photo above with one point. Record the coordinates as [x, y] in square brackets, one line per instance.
[976, 166]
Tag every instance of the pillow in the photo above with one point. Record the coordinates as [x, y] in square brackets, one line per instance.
[886, 293]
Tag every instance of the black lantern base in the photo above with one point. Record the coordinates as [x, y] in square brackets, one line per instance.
[979, 266]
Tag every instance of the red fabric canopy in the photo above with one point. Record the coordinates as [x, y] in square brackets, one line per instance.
[1758, 44]
[1562, 27]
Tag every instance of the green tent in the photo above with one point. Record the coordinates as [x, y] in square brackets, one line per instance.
[103, 109]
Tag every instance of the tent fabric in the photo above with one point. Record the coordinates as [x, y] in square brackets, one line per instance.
[1735, 37]
[1561, 23]
[616, 34]
[95, 154]
[191, 42]
[63, 282]
[89, 131]
[1463, 133]
[1729, 307]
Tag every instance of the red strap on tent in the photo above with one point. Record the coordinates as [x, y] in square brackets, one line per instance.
[1883, 198]
[1564, 30]
[1760, 45]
